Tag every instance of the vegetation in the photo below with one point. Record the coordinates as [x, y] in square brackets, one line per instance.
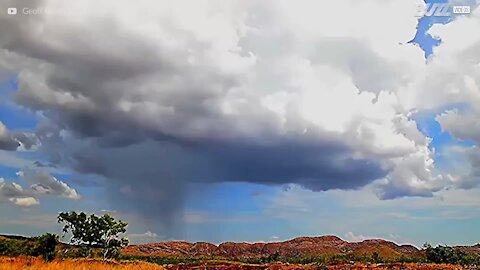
[161, 260]
[46, 245]
[320, 260]
[450, 255]
[16, 246]
[94, 231]
[99, 237]
[31, 263]
[333, 259]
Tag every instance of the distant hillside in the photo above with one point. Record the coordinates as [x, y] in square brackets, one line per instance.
[15, 237]
[295, 250]
[301, 247]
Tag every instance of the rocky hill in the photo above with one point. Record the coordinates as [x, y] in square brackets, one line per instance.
[470, 249]
[302, 247]
[286, 266]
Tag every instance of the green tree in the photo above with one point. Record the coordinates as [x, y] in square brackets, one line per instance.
[375, 257]
[446, 254]
[45, 246]
[100, 231]
[274, 257]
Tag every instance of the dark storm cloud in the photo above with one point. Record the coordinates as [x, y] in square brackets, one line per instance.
[155, 112]
[152, 177]
[316, 167]
[11, 141]
[29, 141]
[7, 142]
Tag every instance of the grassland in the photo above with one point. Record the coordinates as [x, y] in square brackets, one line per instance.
[32, 263]
[18, 252]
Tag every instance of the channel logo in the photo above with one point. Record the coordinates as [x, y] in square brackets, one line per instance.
[12, 11]
[443, 10]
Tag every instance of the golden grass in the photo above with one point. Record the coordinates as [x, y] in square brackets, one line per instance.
[30, 263]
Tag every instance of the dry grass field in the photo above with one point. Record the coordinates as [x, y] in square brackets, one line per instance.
[30, 263]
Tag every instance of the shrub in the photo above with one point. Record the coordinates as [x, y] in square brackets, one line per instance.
[450, 255]
[16, 247]
[45, 246]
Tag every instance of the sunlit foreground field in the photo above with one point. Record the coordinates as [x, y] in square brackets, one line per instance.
[30, 263]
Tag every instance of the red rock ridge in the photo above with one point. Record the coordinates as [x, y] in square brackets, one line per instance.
[298, 247]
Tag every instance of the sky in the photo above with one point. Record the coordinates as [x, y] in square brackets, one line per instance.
[242, 120]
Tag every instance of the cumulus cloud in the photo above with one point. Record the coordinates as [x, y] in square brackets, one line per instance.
[147, 234]
[263, 92]
[40, 183]
[10, 189]
[451, 75]
[456, 72]
[351, 237]
[146, 237]
[14, 193]
[465, 126]
[464, 161]
[43, 183]
[462, 125]
[26, 202]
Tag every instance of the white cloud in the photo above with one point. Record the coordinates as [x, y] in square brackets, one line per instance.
[108, 211]
[43, 183]
[463, 126]
[329, 92]
[146, 237]
[454, 74]
[147, 234]
[26, 201]
[351, 237]
[14, 193]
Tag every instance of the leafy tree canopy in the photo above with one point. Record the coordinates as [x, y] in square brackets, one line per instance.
[92, 230]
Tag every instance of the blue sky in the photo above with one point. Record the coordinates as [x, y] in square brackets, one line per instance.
[425, 40]
[213, 207]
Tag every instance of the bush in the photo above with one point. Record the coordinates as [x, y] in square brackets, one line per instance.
[16, 247]
[45, 246]
[84, 252]
[450, 255]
